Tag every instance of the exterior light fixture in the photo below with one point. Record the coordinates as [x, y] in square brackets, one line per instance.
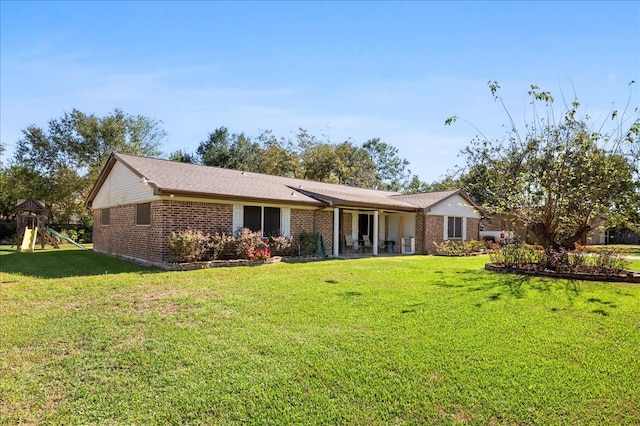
[144, 181]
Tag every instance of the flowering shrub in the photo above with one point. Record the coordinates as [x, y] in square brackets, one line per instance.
[218, 242]
[248, 242]
[187, 246]
[259, 255]
[611, 261]
[279, 243]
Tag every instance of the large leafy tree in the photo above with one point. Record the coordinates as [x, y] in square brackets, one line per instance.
[230, 151]
[278, 156]
[373, 165]
[391, 172]
[60, 164]
[560, 178]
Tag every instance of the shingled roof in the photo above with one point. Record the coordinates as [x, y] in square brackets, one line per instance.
[426, 200]
[171, 177]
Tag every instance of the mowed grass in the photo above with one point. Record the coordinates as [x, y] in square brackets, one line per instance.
[88, 339]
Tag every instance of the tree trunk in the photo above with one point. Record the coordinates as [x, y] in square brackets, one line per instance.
[570, 242]
[545, 239]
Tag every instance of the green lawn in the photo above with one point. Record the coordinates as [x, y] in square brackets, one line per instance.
[87, 339]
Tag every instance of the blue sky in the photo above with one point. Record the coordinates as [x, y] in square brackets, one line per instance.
[359, 70]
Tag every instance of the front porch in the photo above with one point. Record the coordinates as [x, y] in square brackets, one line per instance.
[366, 233]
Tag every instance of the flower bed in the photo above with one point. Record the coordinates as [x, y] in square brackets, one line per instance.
[219, 264]
[624, 276]
[578, 264]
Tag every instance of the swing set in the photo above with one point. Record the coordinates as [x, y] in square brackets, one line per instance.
[31, 215]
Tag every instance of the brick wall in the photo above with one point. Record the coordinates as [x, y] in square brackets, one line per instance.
[313, 221]
[473, 229]
[123, 237]
[347, 229]
[430, 229]
[433, 230]
[421, 236]
[324, 225]
[301, 220]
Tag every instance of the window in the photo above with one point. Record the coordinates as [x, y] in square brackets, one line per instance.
[365, 225]
[253, 218]
[271, 221]
[265, 219]
[105, 217]
[143, 214]
[454, 228]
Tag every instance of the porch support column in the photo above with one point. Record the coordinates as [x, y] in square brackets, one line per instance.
[336, 232]
[375, 237]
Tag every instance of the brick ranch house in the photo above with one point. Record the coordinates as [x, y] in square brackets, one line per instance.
[137, 202]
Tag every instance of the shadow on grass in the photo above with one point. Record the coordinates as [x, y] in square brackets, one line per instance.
[517, 286]
[64, 263]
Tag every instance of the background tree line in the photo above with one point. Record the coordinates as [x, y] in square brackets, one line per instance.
[60, 163]
[560, 176]
[374, 164]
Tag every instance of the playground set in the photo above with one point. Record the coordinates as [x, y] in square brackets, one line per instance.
[31, 216]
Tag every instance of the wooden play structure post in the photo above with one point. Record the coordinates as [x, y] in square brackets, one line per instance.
[31, 216]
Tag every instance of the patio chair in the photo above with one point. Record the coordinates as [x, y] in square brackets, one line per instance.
[366, 242]
[349, 244]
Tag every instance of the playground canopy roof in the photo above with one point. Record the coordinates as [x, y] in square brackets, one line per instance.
[30, 205]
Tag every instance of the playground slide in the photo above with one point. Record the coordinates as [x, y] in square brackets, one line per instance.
[29, 239]
[64, 237]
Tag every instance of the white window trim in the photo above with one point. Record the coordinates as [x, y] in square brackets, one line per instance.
[445, 234]
[238, 217]
[464, 229]
[285, 218]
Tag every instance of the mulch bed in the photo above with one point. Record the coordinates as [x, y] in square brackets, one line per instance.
[624, 276]
[217, 264]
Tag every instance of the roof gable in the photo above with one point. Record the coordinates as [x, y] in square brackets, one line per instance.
[439, 201]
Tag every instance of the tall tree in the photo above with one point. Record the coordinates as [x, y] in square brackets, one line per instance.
[214, 151]
[68, 157]
[374, 165]
[243, 153]
[560, 179]
[234, 151]
[278, 156]
[354, 166]
[183, 157]
[390, 170]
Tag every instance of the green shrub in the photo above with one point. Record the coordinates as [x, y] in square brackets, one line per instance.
[458, 248]
[518, 255]
[526, 256]
[187, 246]
[307, 243]
[7, 230]
[610, 262]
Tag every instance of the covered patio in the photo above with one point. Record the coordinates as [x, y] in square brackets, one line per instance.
[360, 232]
